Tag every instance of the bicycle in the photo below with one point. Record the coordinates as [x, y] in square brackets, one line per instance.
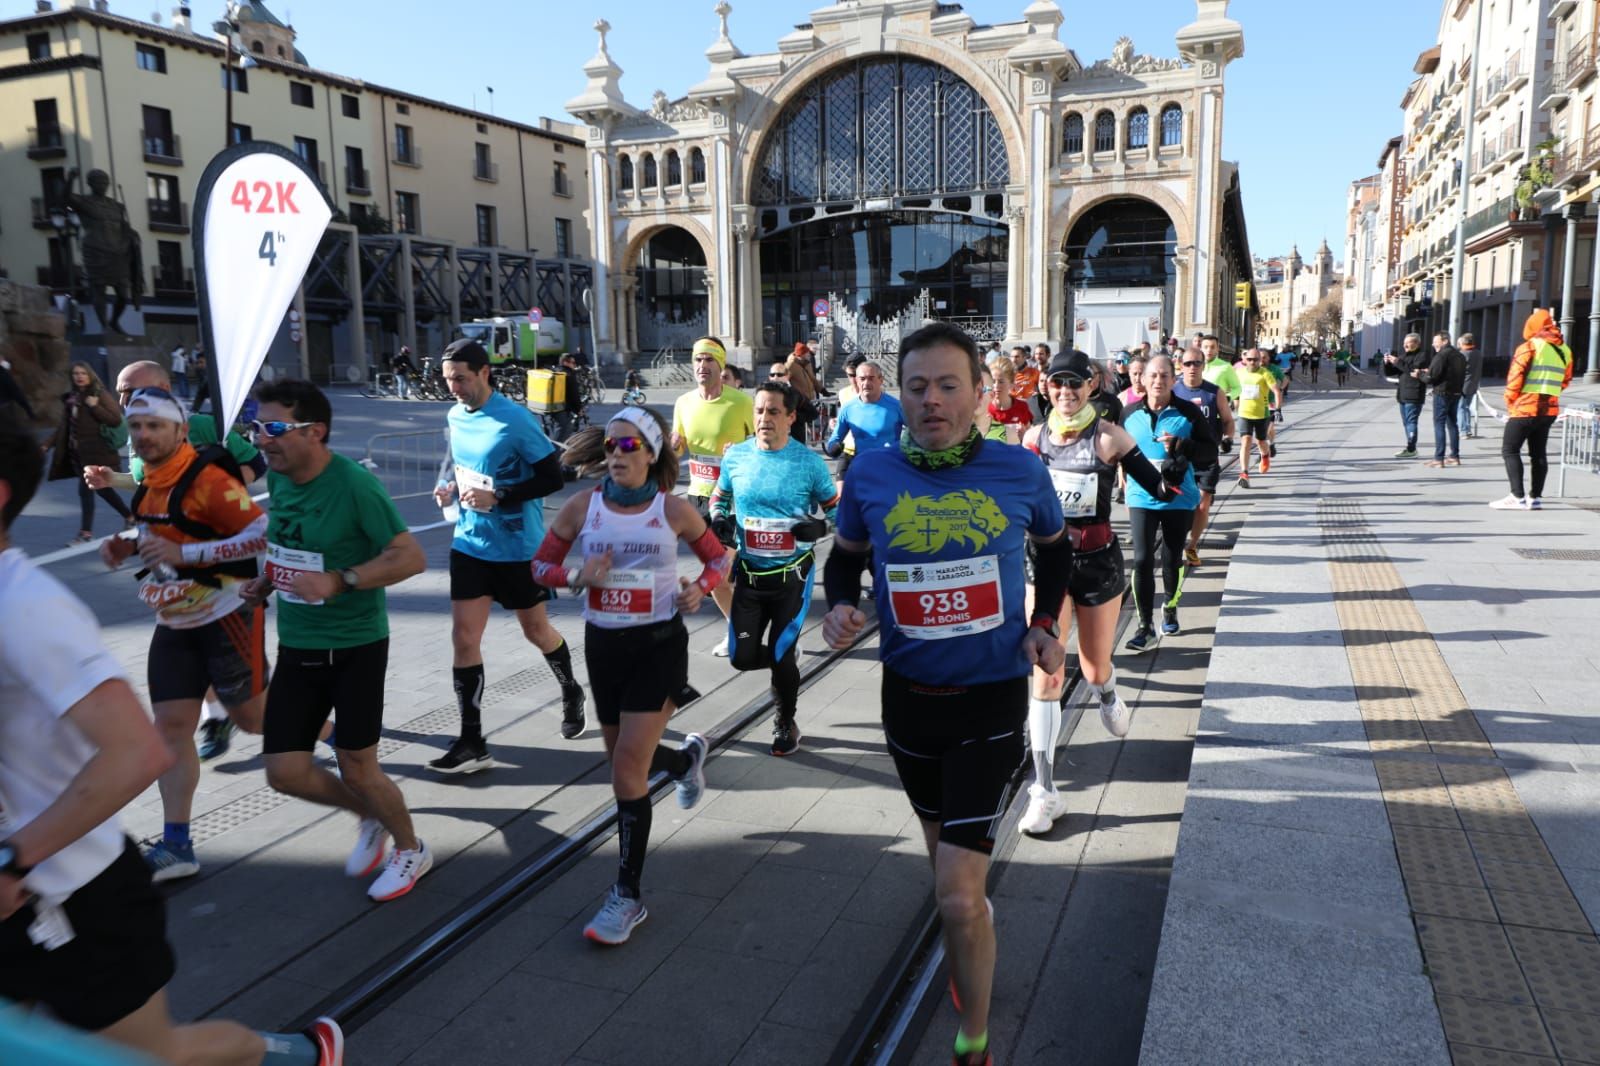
[590, 388]
[510, 381]
[383, 384]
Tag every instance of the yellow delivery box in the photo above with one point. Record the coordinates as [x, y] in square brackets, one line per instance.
[547, 391]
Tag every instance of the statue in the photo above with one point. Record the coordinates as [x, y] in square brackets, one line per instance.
[111, 255]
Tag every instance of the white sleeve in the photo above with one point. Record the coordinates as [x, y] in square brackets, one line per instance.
[54, 648]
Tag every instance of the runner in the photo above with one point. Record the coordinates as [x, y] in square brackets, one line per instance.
[1175, 433]
[1213, 403]
[1220, 370]
[946, 516]
[82, 929]
[1316, 364]
[1284, 376]
[1081, 450]
[873, 419]
[1341, 366]
[635, 645]
[1256, 384]
[200, 535]
[776, 484]
[334, 542]
[500, 467]
[706, 422]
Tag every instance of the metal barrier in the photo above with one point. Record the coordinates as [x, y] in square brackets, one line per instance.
[1580, 443]
[409, 463]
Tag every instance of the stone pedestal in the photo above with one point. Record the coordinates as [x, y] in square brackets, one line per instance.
[33, 341]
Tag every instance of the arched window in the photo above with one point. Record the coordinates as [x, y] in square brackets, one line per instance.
[674, 168]
[1072, 134]
[697, 167]
[255, 46]
[1139, 128]
[1171, 126]
[625, 173]
[649, 181]
[1105, 132]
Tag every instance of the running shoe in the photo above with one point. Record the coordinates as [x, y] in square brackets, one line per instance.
[572, 713]
[972, 1058]
[615, 921]
[1145, 639]
[1272, 449]
[721, 650]
[1406, 453]
[692, 785]
[1169, 621]
[466, 756]
[404, 870]
[1266, 464]
[216, 734]
[367, 855]
[1535, 504]
[1509, 502]
[1191, 558]
[785, 735]
[326, 1036]
[1244, 480]
[1115, 716]
[1045, 805]
[171, 862]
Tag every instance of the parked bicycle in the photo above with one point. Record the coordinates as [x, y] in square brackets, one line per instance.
[381, 385]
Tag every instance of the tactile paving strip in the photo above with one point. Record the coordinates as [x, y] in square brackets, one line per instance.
[1514, 961]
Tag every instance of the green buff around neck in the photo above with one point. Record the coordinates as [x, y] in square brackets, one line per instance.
[1062, 424]
[926, 459]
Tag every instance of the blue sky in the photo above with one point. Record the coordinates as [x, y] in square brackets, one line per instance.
[1308, 108]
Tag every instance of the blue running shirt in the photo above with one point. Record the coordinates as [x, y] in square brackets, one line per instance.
[948, 558]
[493, 447]
[872, 425]
[1147, 430]
[770, 492]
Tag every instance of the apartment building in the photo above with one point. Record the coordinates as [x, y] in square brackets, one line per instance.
[479, 205]
[1574, 115]
[1367, 309]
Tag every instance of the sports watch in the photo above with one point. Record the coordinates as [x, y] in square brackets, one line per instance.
[348, 580]
[9, 863]
[1046, 623]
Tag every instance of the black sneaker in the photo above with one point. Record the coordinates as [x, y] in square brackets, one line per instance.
[1169, 621]
[1145, 639]
[785, 736]
[215, 736]
[466, 756]
[572, 713]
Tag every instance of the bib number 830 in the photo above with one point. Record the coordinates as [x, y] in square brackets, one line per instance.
[614, 599]
[942, 602]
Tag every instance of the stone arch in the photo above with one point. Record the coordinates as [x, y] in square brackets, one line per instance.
[640, 230]
[1063, 220]
[763, 120]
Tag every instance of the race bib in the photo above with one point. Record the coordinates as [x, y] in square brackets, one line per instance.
[471, 479]
[705, 468]
[1250, 392]
[284, 564]
[1079, 493]
[624, 598]
[773, 537]
[937, 601]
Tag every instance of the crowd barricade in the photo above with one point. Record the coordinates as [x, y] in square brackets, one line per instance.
[1580, 443]
[409, 464]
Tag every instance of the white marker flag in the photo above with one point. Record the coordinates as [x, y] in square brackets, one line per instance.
[260, 214]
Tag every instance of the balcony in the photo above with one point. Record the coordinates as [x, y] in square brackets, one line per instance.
[1555, 94]
[1511, 145]
[483, 170]
[172, 283]
[1580, 62]
[168, 216]
[1561, 8]
[407, 155]
[46, 142]
[357, 182]
[161, 146]
[1491, 217]
[1516, 74]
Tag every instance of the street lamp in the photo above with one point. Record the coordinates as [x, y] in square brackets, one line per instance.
[228, 28]
[65, 222]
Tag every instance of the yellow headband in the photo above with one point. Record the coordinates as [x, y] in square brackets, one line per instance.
[707, 346]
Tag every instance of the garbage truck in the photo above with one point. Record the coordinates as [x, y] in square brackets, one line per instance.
[514, 340]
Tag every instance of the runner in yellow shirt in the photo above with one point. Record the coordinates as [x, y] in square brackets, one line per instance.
[1256, 383]
[706, 422]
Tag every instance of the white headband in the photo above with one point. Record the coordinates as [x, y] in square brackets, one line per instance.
[645, 423]
[155, 403]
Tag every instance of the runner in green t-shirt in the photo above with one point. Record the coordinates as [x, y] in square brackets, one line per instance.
[1219, 371]
[334, 542]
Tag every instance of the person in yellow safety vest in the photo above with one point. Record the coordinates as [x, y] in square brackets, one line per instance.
[1540, 370]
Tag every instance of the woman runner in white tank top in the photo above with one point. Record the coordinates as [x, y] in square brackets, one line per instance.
[635, 645]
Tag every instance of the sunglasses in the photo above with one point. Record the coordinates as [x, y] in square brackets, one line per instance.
[1067, 381]
[1193, 362]
[275, 429]
[625, 445]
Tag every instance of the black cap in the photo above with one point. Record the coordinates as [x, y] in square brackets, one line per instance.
[1071, 361]
[466, 351]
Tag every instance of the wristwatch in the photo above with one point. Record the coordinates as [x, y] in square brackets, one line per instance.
[499, 494]
[1046, 623]
[9, 863]
[348, 580]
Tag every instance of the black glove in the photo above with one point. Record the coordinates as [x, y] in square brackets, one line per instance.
[810, 529]
[1174, 469]
[726, 529]
[1225, 445]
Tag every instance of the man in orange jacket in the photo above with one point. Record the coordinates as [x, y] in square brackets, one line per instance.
[1539, 372]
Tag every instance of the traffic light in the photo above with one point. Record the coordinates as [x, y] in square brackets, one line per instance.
[1241, 294]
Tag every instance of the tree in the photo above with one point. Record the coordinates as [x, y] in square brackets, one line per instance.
[1323, 324]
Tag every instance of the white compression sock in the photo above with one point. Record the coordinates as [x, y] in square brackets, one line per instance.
[1044, 722]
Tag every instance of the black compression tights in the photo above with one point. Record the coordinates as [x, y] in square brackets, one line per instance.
[1174, 526]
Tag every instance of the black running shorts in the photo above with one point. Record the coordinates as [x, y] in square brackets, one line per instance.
[955, 750]
[1254, 427]
[348, 682]
[636, 669]
[511, 585]
[1097, 577]
[229, 655]
[1208, 477]
[117, 959]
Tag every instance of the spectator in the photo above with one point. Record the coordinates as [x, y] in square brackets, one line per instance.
[1446, 371]
[1540, 370]
[179, 367]
[805, 409]
[90, 433]
[1409, 365]
[202, 375]
[1469, 384]
[404, 371]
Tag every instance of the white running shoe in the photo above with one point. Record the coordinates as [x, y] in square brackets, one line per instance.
[367, 856]
[692, 785]
[1509, 502]
[721, 650]
[404, 870]
[1044, 807]
[615, 920]
[1115, 716]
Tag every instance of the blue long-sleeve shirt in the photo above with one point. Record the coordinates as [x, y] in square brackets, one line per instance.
[872, 425]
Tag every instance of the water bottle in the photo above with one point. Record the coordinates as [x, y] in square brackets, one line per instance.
[162, 571]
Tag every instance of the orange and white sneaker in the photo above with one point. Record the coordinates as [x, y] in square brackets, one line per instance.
[326, 1036]
[1266, 464]
[404, 870]
[367, 855]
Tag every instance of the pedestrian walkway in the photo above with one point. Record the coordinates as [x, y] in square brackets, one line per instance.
[1389, 852]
